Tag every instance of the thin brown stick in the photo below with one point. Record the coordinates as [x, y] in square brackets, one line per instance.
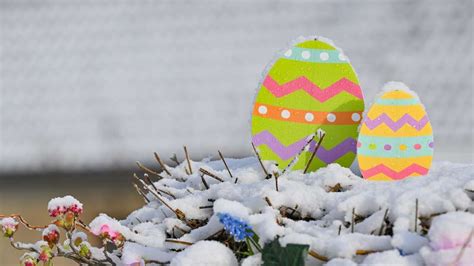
[225, 163]
[268, 202]
[147, 178]
[176, 241]
[148, 170]
[178, 212]
[206, 207]
[383, 222]
[24, 222]
[276, 181]
[259, 159]
[314, 153]
[353, 220]
[339, 231]
[188, 160]
[160, 162]
[204, 181]
[416, 215]
[316, 255]
[167, 193]
[204, 171]
[141, 193]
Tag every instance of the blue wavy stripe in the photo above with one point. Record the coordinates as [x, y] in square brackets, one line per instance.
[315, 55]
[390, 146]
[412, 101]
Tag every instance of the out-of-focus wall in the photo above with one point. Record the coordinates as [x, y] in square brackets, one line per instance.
[100, 84]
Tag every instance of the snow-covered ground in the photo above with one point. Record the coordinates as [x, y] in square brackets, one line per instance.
[345, 219]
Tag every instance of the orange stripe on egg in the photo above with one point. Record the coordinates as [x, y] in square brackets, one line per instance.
[306, 116]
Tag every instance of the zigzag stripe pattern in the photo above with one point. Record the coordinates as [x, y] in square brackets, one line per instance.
[396, 125]
[287, 152]
[302, 83]
[381, 168]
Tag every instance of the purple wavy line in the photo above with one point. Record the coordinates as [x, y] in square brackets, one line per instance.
[287, 152]
[396, 125]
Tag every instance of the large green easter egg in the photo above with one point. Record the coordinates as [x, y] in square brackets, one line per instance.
[310, 86]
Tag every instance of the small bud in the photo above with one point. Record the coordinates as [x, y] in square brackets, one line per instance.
[84, 250]
[9, 226]
[29, 259]
[51, 235]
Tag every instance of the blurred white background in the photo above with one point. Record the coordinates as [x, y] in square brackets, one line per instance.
[89, 85]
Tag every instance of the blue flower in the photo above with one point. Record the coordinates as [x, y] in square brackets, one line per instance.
[235, 226]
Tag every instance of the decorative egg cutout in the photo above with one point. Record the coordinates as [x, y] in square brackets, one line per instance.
[310, 86]
[396, 138]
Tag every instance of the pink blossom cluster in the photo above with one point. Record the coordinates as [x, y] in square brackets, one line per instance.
[61, 206]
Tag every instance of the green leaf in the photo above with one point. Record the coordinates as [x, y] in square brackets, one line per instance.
[292, 255]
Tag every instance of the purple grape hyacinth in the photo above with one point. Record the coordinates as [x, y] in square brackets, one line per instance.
[235, 226]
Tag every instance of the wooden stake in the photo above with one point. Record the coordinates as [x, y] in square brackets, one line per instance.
[225, 164]
[321, 137]
[160, 162]
[259, 159]
[187, 159]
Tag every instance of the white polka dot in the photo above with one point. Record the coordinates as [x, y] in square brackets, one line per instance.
[331, 117]
[309, 117]
[285, 114]
[262, 109]
[355, 117]
[324, 56]
[305, 54]
[288, 53]
[342, 57]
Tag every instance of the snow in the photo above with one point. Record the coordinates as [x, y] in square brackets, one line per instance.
[205, 253]
[60, 205]
[316, 209]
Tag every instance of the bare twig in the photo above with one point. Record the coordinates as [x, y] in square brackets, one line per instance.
[188, 160]
[147, 178]
[353, 220]
[297, 157]
[416, 215]
[148, 170]
[206, 207]
[176, 241]
[225, 163]
[204, 181]
[160, 162]
[140, 192]
[268, 202]
[383, 222]
[321, 137]
[339, 231]
[205, 172]
[259, 159]
[276, 181]
[24, 222]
